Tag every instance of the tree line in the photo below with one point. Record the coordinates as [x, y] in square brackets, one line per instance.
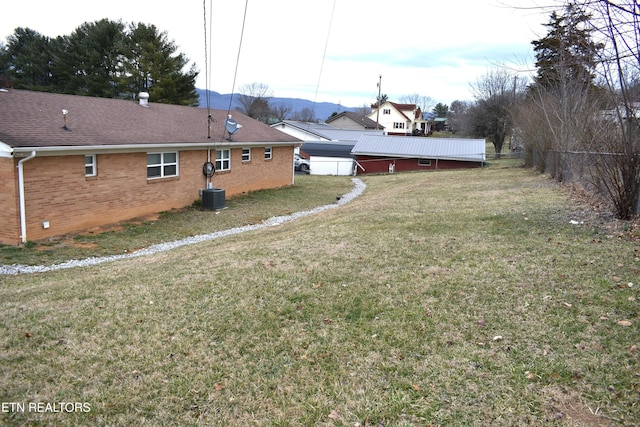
[103, 58]
[580, 113]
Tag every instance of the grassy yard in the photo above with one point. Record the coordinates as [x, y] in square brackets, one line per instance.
[437, 298]
[126, 237]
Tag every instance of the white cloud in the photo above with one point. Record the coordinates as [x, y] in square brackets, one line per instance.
[432, 48]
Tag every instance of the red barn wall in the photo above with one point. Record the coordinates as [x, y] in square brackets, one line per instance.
[374, 164]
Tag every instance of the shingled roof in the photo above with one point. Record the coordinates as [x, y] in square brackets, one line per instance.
[365, 121]
[35, 120]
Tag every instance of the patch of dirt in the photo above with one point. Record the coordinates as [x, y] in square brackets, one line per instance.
[594, 210]
[65, 243]
[69, 240]
[119, 226]
[566, 408]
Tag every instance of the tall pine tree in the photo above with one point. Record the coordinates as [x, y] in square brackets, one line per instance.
[102, 58]
[567, 53]
[27, 60]
[154, 65]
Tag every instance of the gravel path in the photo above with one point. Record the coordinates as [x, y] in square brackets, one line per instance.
[357, 190]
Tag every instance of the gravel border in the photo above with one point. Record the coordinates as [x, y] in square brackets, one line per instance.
[357, 190]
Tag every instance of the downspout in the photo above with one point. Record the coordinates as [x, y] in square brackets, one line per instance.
[23, 214]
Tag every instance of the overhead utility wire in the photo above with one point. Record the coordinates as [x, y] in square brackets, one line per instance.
[324, 54]
[235, 73]
[206, 69]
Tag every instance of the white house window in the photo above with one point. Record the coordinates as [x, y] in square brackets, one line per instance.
[386, 111]
[246, 154]
[424, 162]
[160, 165]
[90, 167]
[268, 153]
[223, 160]
[398, 125]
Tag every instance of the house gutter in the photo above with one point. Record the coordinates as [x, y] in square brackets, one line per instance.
[23, 214]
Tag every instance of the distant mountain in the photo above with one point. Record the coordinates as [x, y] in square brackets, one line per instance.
[321, 110]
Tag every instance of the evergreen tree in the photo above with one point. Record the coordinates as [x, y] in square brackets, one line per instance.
[27, 60]
[567, 53]
[153, 65]
[88, 60]
[101, 59]
[441, 110]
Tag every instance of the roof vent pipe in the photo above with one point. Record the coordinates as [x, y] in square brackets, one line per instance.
[144, 99]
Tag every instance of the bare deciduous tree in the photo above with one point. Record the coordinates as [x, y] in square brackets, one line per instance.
[426, 103]
[618, 23]
[587, 128]
[305, 115]
[496, 94]
[254, 99]
[281, 111]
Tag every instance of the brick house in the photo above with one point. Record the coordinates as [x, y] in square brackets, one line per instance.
[69, 163]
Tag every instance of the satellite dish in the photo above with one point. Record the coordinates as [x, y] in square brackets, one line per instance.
[231, 126]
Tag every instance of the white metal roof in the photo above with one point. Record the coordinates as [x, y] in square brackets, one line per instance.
[326, 131]
[422, 148]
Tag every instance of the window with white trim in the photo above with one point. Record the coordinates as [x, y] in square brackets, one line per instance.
[223, 160]
[268, 153]
[424, 162]
[90, 166]
[246, 154]
[386, 111]
[161, 165]
[398, 125]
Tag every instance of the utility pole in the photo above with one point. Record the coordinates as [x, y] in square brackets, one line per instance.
[379, 98]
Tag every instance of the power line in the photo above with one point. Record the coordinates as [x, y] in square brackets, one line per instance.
[207, 65]
[235, 73]
[324, 55]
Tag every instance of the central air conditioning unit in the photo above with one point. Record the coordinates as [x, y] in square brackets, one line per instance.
[213, 199]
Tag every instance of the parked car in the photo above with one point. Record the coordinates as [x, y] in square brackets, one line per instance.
[302, 164]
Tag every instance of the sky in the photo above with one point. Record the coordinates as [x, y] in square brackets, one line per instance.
[323, 50]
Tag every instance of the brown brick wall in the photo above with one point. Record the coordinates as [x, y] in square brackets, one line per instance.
[57, 190]
[257, 173]
[9, 213]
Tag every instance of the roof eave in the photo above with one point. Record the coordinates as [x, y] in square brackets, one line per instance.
[415, 156]
[6, 151]
[131, 148]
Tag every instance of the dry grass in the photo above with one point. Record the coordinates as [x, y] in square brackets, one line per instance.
[128, 236]
[447, 298]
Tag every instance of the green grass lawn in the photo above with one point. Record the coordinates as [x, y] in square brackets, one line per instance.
[435, 298]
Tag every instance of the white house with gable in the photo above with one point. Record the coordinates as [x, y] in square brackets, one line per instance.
[400, 119]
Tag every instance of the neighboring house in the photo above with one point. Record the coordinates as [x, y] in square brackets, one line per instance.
[305, 131]
[325, 160]
[388, 154]
[352, 120]
[329, 158]
[440, 124]
[400, 119]
[69, 163]
[308, 131]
